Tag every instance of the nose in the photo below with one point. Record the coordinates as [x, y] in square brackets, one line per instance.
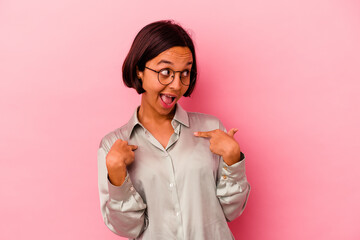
[176, 83]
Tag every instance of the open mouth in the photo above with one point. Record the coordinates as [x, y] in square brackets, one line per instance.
[167, 99]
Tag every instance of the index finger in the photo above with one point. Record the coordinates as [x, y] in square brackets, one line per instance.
[204, 134]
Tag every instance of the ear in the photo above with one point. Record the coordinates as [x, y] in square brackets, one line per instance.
[139, 74]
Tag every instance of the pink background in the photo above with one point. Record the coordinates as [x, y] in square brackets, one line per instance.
[285, 73]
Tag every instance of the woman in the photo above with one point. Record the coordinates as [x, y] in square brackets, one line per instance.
[168, 173]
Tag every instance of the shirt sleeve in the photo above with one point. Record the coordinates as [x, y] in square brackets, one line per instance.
[122, 208]
[232, 187]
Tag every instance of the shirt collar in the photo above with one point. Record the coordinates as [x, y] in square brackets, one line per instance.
[181, 116]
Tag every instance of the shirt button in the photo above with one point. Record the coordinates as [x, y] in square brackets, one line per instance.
[171, 185]
[224, 177]
[177, 214]
[131, 188]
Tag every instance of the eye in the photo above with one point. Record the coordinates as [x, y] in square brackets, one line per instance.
[165, 72]
[185, 73]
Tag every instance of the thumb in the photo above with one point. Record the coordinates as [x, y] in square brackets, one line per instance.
[133, 147]
[232, 132]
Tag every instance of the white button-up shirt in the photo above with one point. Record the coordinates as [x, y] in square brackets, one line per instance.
[183, 191]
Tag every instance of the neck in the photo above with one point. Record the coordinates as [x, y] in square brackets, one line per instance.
[146, 114]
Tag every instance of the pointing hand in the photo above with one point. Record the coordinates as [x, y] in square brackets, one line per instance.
[223, 144]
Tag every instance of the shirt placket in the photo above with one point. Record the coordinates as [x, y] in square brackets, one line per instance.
[172, 186]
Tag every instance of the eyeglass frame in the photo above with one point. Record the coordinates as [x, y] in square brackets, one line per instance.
[173, 76]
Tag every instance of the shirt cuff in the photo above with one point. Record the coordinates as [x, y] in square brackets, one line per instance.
[234, 172]
[123, 192]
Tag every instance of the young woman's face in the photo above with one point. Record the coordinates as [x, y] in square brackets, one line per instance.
[162, 98]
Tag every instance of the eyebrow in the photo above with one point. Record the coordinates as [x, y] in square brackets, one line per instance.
[168, 62]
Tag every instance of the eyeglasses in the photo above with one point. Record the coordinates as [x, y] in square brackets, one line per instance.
[167, 76]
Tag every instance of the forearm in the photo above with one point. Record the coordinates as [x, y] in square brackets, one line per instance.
[125, 210]
[122, 207]
[233, 189]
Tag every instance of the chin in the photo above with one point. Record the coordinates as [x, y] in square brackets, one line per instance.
[167, 111]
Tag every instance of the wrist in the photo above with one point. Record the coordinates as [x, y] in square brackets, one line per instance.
[232, 157]
[117, 177]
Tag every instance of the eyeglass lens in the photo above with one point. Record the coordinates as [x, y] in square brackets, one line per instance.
[167, 75]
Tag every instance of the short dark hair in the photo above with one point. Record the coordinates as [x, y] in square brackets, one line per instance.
[152, 40]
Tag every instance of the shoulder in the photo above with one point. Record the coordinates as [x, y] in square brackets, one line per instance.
[110, 138]
[204, 121]
[195, 116]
